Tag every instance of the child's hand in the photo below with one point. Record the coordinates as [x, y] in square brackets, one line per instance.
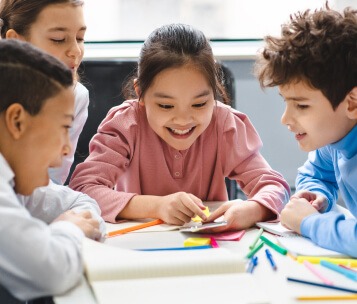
[295, 211]
[178, 208]
[319, 202]
[84, 221]
[238, 214]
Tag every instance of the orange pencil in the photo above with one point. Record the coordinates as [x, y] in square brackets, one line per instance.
[133, 228]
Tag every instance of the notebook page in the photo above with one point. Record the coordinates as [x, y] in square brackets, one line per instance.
[103, 262]
[299, 245]
[212, 289]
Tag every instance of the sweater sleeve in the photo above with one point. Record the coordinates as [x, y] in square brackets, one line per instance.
[37, 259]
[110, 153]
[333, 231]
[248, 167]
[59, 175]
[47, 203]
[318, 175]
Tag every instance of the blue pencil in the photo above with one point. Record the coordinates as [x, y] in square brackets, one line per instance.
[176, 248]
[347, 273]
[322, 285]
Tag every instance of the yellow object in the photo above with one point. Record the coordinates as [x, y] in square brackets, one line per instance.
[198, 219]
[316, 260]
[196, 242]
[324, 298]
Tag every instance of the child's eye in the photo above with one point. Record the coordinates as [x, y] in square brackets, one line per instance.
[57, 40]
[80, 40]
[165, 106]
[199, 105]
[302, 107]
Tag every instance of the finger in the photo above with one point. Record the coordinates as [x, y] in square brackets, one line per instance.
[96, 235]
[217, 213]
[86, 214]
[185, 210]
[182, 218]
[197, 201]
[193, 208]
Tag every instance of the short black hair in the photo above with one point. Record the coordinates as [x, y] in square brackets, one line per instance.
[29, 76]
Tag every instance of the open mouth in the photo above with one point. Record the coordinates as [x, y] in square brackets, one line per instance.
[299, 136]
[181, 133]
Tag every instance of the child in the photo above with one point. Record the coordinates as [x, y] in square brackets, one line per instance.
[161, 155]
[58, 28]
[314, 63]
[36, 112]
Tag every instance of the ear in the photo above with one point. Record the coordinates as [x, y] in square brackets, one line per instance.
[352, 104]
[137, 90]
[15, 120]
[12, 34]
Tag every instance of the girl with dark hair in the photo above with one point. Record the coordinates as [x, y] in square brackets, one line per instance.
[163, 153]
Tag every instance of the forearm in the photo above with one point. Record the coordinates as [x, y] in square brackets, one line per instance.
[332, 231]
[141, 206]
[256, 212]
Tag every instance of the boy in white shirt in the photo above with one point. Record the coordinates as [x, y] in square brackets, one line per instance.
[40, 240]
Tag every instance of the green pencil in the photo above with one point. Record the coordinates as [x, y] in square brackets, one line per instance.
[257, 238]
[273, 245]
[255, 250]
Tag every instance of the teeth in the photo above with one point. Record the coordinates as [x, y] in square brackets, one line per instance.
[180, 132]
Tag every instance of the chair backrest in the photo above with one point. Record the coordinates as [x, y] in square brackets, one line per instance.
[105, 80]
[6, 297]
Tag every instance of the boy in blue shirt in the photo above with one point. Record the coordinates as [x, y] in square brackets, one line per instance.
[40, 240]
[314, 64]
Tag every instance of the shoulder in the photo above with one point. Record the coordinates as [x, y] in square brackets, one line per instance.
[230, 119]
[81, 96]
[80, 90]
[126, 115]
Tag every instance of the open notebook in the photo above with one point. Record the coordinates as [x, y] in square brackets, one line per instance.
[140, 277]
[295, 243]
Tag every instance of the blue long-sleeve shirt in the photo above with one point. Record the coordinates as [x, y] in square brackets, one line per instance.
[327, 170]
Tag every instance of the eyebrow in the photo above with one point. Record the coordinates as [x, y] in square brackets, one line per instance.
[294, 98]
[64, 29]
[163, 95]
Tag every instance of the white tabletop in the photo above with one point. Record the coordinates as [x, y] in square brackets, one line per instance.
[274, 283]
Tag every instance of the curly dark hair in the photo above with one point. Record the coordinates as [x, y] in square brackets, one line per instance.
[319, 48]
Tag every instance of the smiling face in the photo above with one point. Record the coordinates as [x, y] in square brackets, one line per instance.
[179, 105]
[310, 116]
[59, 30]
[44, 141]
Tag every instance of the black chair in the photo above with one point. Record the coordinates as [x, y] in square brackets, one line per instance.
[8, 298]
[227, 79]
[105, 80]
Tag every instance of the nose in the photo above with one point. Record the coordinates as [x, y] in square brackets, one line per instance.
[67, 148]
[74, 50]
[286, 118]
[183, 116]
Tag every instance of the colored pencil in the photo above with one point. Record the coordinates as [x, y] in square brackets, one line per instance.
[276, 247]
[260, 232]
[325, 298]
[309, 266]
[322, 285]
[135, 227]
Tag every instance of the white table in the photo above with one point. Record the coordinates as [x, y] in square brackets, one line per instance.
[274, 283]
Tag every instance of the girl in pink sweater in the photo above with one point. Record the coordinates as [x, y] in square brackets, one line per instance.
[162, 153]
